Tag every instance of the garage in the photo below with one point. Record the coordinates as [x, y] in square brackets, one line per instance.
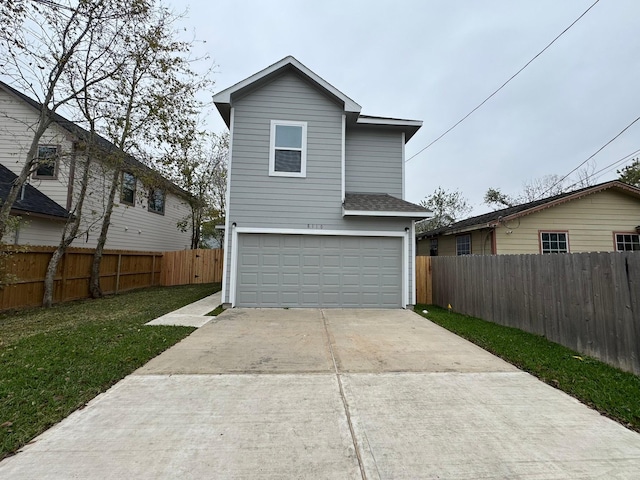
[325, 271]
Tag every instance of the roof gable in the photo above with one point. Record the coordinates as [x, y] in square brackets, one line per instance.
[492, 219]
[105, 145]
[224, 99]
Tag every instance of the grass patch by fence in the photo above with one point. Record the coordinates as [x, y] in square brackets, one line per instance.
[53, 361]
[611, 391]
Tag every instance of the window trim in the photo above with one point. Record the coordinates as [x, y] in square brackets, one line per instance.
[470, 244]
[135, 184]
[540, 232]
[615, 240]
[35, 175]
[164, 201]
[272, 149]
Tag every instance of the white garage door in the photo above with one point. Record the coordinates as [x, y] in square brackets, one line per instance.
[319, 271]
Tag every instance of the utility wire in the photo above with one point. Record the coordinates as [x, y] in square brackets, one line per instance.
[504, 84]
[590, 157]
[606, 168]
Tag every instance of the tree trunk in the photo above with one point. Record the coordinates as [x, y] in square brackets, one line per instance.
[69, 234]
[94, 282]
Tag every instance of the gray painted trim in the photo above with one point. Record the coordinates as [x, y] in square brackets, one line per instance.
[404, 141]
[344, 153]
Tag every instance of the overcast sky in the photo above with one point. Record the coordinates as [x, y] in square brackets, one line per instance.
[436, 60]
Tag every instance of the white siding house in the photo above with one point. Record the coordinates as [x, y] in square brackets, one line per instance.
[141, 219]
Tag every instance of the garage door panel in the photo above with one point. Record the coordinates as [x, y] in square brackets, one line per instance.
[319, 271]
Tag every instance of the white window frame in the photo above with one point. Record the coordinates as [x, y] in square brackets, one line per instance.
[555, 232]
[623, 234]
[272, 150]
[464, 235]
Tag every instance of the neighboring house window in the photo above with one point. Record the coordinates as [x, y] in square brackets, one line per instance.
[433, 251]
[47, 162]
[554, 242]
[627, 242]
[128, 188]
[463, 245]
[156, 201]
[288, 151]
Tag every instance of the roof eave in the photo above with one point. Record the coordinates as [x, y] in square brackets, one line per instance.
[223, 99]
[385, 213]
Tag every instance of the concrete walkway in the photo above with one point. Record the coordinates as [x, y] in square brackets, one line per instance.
[192, 315]
[330, 394]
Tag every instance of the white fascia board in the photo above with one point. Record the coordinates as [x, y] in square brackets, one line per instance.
[227, 199]
[373, 213]
[225, 95]
[389, 121]
[318, 231]
[404, 141]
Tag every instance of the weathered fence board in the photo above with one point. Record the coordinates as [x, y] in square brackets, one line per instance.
[589, 302]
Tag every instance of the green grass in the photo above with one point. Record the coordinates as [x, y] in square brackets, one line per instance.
[53, 361]
[609, 390]
[216, 311]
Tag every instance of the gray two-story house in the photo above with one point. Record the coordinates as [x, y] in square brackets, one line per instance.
[316, 215]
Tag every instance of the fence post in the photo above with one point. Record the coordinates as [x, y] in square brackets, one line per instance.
[118, 273]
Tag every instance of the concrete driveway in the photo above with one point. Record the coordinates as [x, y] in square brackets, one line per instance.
[329, 394]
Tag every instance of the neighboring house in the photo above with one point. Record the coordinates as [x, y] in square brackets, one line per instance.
[44, 214]
[144, 217]
[315, 216]
[601, 218]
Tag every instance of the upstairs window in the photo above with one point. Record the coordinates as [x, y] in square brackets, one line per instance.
[554, 242]
[47, 162]
[463, 245]
[128, 188]
[627, 242]
[288, 150]
[156, 201]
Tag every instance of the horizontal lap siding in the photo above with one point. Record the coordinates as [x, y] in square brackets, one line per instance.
[17, 121]
[373, 161]
[590, 222]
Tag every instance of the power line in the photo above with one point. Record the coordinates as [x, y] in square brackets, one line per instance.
[607, 168]
[589, 158]
[505, 83]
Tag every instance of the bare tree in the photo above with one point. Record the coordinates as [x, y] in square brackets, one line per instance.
[38, 43]
[156, 87]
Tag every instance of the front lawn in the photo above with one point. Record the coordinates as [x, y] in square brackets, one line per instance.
[609, 390]
[53, 361]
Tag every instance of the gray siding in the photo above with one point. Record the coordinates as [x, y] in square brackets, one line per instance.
[373, 161]
[260, 201]
[263, 201]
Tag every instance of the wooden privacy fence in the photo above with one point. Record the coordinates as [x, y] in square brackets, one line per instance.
[185, 267]
[120, 270]
[589, 302]
[424, 285]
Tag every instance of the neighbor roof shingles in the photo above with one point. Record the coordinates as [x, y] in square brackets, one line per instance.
[34, 201]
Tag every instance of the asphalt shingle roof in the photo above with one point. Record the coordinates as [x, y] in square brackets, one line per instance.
[34, 201]
[524, 208]
[100, 141]
[379, 202]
